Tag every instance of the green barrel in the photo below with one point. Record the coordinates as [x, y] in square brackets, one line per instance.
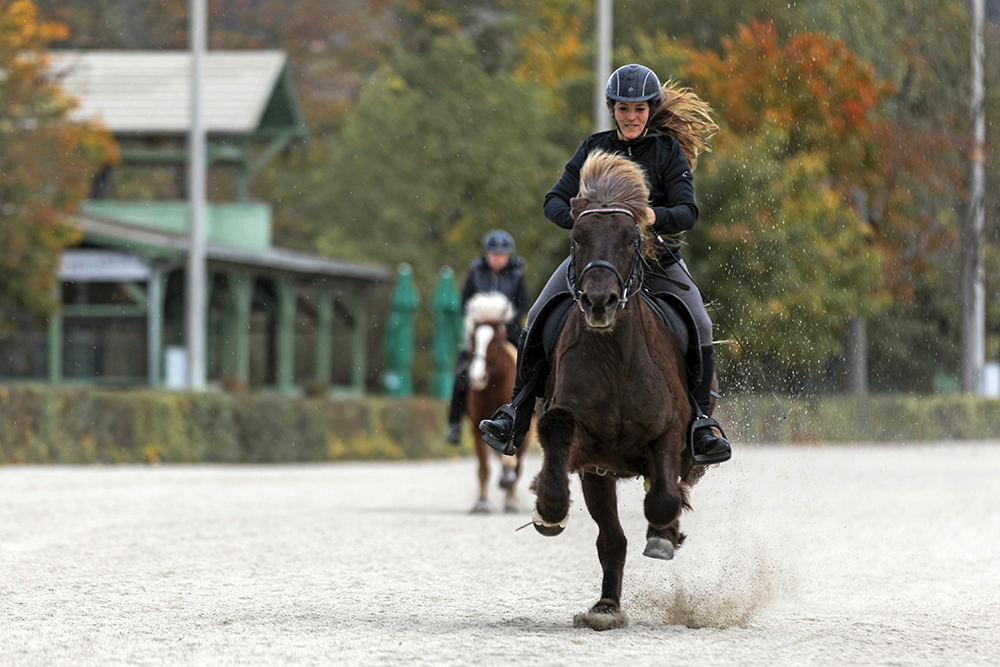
[448, 331]
[398, 338]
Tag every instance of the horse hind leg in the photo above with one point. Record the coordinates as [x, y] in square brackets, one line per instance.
[602, 502]
[510, 473]
[556, 430]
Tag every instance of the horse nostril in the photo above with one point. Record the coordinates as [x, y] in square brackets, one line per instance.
[612, 302]
[585, 302]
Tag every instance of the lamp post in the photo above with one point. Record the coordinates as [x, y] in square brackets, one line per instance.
[195, 292]
[602, 63]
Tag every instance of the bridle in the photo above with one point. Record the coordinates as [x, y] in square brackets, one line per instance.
[483, 354]
[635, 273]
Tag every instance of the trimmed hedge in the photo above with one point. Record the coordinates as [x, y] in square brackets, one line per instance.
[875, 418]
[41, 424]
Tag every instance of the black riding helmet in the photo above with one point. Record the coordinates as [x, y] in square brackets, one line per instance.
[633, 83]
[498, 241]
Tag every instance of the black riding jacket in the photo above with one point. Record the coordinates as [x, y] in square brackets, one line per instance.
[671, 189]
[510, 282]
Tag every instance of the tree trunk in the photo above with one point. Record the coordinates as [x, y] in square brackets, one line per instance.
[856, 349]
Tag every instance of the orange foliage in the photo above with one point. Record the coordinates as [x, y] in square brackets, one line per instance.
[553, 49]
[47, 160]
[811, 85]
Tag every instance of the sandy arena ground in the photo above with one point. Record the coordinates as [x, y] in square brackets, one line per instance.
[829, 555]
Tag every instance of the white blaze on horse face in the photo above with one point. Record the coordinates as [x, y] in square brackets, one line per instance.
[477, 369]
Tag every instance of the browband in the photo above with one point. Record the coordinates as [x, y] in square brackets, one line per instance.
[625, 211]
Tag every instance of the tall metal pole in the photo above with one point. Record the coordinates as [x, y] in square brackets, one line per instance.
[194, 288]
[602, 64]
[972, 253]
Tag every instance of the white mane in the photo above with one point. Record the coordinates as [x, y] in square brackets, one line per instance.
[487, 307]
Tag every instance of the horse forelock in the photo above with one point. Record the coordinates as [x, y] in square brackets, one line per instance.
[609, 180]
[487, 307]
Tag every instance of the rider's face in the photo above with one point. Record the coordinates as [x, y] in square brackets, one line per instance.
[497, 260]
[631, 118]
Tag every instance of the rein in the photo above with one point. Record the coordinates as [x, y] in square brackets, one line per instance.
[635, 272]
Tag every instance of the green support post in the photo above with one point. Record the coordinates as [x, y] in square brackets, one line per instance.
[448, 331]
[213, 324]
[286, 335]
[398, 339]
[359, 341]
[241, 292]
[55, 337]
[324, 338]
[156, 290]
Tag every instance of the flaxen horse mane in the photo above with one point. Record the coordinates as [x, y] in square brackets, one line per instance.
[608, 180]
[487, 307]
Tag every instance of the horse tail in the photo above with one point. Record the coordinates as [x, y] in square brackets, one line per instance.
[687, 118]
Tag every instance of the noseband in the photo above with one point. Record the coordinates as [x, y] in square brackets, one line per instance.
[623, 285]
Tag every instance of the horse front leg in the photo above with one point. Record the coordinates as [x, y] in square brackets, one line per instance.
[663, 502]
[602, 502]
[556, 430]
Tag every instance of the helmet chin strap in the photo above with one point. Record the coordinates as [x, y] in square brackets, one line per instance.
[621, 136]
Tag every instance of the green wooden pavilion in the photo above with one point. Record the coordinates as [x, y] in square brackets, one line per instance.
[277, 318]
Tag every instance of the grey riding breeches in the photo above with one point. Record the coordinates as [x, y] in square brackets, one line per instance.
[676, 272]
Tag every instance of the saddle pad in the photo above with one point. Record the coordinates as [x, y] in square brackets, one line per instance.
[675, 314]
[668, 307]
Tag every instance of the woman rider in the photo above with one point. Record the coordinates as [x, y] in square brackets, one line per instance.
[634, 96]
[497, 270]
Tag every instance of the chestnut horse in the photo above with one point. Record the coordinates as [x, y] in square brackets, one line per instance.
[491, 380]
[617, 397]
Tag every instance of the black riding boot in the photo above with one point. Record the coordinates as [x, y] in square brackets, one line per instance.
[505, 431]
[709, 442]
[459, 394]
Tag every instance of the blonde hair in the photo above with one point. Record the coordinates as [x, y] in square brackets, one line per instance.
[687, 118]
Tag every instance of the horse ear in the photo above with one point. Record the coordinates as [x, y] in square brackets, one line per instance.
[578, 205]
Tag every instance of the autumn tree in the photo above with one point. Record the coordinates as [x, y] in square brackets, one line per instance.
[779, 244]
[47, 161]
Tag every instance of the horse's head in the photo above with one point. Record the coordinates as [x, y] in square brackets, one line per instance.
[486, 329]
[608, 237]
[488, 341]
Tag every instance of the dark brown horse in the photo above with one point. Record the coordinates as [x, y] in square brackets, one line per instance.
[491, 379]
[618, 397]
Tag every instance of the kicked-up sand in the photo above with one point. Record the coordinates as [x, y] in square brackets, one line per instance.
[828, 555]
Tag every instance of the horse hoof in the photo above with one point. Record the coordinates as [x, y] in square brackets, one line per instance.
[549, 531]
[544, 527]
[511, 508]
[657, 547]
[605, 615]
[481, 507]
[508, 478]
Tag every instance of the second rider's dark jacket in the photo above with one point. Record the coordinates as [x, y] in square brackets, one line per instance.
[671, 188]
[510, 282]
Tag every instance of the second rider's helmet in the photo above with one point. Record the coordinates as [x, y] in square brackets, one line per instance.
[498, 241]
[633, 83]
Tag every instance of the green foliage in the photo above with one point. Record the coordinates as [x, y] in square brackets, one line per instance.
[41, 424]
[436, 152]
[781, 249]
